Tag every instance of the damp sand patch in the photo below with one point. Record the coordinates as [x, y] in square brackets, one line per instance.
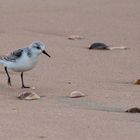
[88, 104]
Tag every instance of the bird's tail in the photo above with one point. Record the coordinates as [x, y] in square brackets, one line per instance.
[1, 60]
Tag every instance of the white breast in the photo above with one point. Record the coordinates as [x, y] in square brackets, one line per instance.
[24, 63]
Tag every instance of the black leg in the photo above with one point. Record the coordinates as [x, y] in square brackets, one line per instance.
[23, 81]
[9, 80]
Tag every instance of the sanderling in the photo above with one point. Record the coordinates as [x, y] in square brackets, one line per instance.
[23, 59]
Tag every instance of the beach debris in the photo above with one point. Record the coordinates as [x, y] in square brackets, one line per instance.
[137, 82]
[76, 94]
[28, 96]
[133, 110]
[102, 46]
[99, 46]
[118, 48]
[33, 88]
[75, 37]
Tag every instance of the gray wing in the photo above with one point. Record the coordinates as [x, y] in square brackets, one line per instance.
[13, 56]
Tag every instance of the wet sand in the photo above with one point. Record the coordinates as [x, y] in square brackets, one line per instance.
[105, 76]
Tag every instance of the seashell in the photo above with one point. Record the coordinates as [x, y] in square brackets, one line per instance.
[28, 96]
[137, 82]
[76, 94]
[99, 46]
[133, 110]
[102, 46]
[75, 37]
[118, 48]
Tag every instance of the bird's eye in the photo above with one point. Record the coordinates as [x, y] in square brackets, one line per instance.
[38, 47]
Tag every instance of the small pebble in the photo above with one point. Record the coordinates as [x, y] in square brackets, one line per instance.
[137, 82]
[75, 37]
[28, 96]
[76, 94]
[41, 137]
[33, 88]
[133, 110]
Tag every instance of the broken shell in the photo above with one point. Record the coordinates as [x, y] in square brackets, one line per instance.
[75, 37]
[28, 96]
[118, 48]
[76, 94]
[133, 110]
[137, 82]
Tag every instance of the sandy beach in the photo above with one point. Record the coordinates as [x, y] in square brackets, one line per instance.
[106, 77]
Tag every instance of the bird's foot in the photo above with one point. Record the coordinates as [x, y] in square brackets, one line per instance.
[9, 82]
[25, 86]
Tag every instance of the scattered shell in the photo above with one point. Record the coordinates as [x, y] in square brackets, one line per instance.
[102, 46]
[118, 48]
[28, 96]
[137, 82]
[133, 110]
[99, 46]
[76, 94]
[75, 37]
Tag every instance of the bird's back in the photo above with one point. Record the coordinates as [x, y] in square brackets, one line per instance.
[19, 60]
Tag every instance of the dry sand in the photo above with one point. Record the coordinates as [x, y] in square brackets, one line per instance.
[105, 76]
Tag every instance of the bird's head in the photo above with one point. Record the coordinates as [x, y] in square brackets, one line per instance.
[38, 48]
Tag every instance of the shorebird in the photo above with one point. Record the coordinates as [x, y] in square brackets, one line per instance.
[23, 59]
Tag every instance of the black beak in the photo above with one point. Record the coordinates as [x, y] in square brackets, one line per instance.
[46, 53]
